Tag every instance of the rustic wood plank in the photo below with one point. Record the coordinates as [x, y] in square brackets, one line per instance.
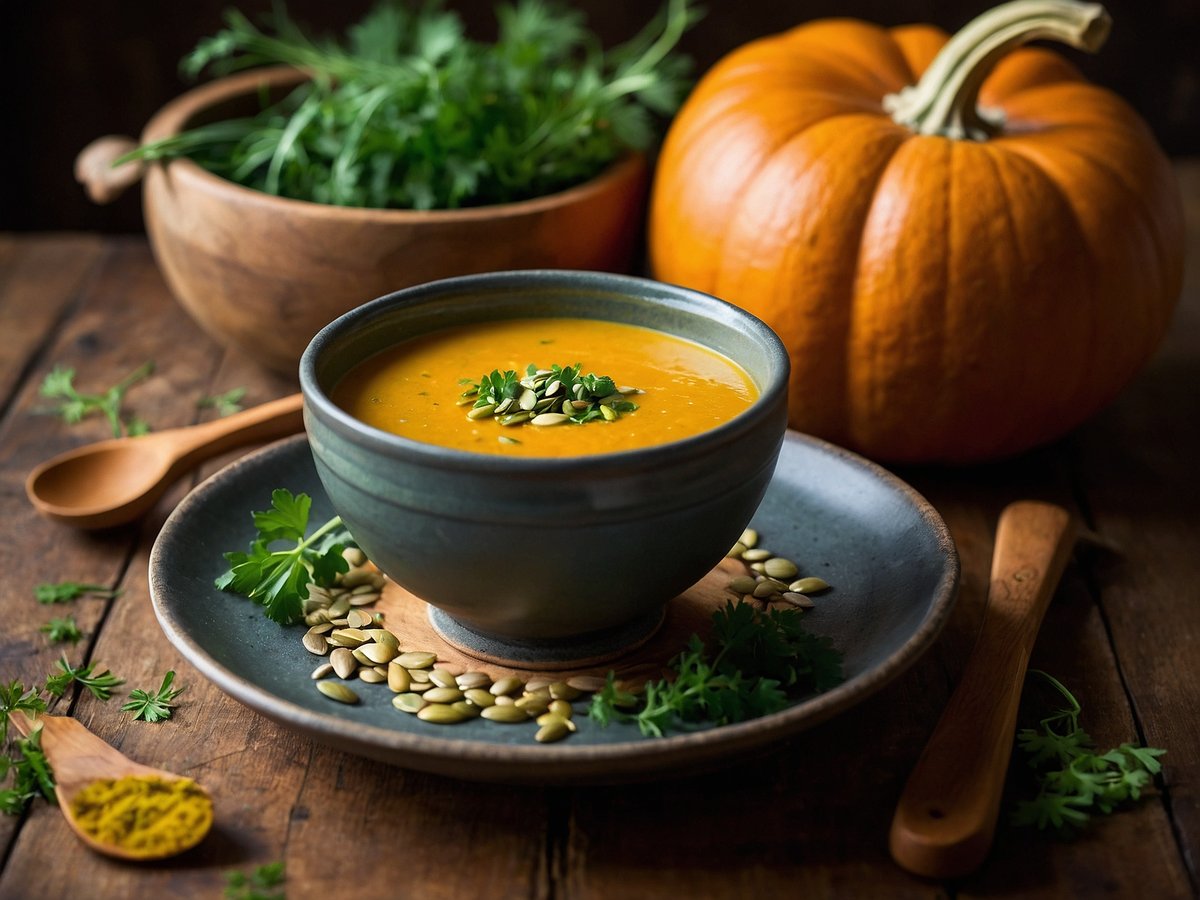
[125, 317]
[1137, 465]
[39, 279]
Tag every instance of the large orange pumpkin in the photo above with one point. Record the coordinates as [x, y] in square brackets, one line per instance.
[961, 267]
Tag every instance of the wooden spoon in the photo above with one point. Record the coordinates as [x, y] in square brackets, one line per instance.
[114, 482]
[946, 817]
[79, 758]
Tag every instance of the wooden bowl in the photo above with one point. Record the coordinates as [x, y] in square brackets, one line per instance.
[264, 273]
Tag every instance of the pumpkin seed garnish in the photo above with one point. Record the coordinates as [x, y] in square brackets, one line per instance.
[810, 585]
[547, 397]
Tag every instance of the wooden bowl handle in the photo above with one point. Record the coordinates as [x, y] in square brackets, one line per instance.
[94, 168]
[946, 816]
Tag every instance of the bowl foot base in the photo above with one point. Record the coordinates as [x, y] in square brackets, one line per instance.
[551, 654]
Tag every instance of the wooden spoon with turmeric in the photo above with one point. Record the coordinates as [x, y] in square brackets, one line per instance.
[99, 788]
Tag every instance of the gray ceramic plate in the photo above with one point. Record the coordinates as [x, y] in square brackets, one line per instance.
[882, 546]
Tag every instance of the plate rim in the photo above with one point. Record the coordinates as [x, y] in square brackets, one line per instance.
[556, 763]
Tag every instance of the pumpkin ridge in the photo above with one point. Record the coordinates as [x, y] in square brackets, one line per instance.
[828, 50]
[1095, 385]
[783, 313]
[1164, 281]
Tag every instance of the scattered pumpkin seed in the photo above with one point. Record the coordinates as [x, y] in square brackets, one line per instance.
[343, 662]
[408, 702]
[756, 554]
[749, 538]
[737, 550]
[443, 695]
[439, 713]
[335, 690]
[551, 731]
[324, 670]
[544, 419]
[560, 690]
[500, 713]
[398, 678]
[764, 589]
[779, 567]
[506, 686]
[561, 708]
[417, 659]
[505, 700]
[795, 599]
[358, 618]
[372, 676]
[468, 680]
[586, 682]
[378, 653]
[742, 584]
[442, 678]
[810, 585]
[315, 643]
[354, 556]
[468, 710]
[479, 697]
[419, 687]
[419, 676]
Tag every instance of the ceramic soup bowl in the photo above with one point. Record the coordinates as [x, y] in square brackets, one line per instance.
[538, 552]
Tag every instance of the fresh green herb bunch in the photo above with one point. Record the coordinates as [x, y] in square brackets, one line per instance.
[1074, 780]
[757, 661]
[279, 579]
[408, 112]
[546, 396]
[73, 406]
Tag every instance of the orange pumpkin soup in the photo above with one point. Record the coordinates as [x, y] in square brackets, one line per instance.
[415, 388]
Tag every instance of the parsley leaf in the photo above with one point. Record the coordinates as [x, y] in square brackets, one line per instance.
[73, 406]
[156, 706]
[100, 684]
[65, 591]
[225, 404]
[279, 579]
[757, 661]
[59, 630]
[1072, 781]
[30, 773]
[14, 696]
[239, 886]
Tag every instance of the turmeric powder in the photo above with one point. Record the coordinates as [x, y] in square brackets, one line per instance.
[146, 815]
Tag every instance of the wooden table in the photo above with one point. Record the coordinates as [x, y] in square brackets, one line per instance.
[808, 819]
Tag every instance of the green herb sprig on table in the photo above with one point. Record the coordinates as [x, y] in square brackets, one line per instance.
[101, 684]
[153, 706]
[59, 630]
[73, 406]
[409, 112]
[255, 886]
[279, 579]
[27, 765]
[1073, 780]
[225, 404]
[65, 591]
[552, 396]
[755, 663]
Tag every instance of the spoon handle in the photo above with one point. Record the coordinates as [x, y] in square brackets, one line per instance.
[275, 419]
[946, 816]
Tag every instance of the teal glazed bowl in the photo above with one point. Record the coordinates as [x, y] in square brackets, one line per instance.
[545, 557]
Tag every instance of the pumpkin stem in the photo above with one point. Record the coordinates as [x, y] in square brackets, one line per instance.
[945, 100]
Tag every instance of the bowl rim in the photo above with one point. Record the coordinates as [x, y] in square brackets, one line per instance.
[772, 396]
[173, 116]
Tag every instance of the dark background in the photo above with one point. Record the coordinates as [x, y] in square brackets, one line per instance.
[74, 70]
